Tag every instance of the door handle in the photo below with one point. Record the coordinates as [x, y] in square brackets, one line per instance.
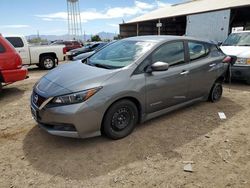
[212, 65]
[184, 72]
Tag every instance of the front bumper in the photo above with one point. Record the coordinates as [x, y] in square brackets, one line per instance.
[76, 121]
[241, 72]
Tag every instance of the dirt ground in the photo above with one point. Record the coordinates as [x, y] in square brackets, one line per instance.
[153, 156]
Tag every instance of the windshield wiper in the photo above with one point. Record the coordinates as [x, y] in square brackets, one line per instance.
[244, 45]
[101, 66]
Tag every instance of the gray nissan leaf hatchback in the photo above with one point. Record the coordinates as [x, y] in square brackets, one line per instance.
[128, 82]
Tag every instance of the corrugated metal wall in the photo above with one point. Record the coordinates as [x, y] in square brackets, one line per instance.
[212, 25]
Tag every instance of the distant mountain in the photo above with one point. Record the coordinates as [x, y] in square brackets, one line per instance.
[103, 35]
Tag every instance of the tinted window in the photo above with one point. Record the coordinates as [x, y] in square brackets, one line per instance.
[94, 46]
[16, 41]
[172, 53]
[101, 45]
[197, 50]
[2, 48]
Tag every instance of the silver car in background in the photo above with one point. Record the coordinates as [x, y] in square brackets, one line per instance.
[128, 82]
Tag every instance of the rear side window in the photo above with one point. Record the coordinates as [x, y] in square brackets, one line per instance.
[171, 53]
[197, 50]
[16, 41]
[2, 49]
[95, 45]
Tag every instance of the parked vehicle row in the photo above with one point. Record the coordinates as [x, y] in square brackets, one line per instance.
[45, 57]
[11, 69]
[69, 45]
[73, 53]
[128, 82]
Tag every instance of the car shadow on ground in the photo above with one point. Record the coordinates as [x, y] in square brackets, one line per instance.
[10, 94]
[85, 158]
[34, 68]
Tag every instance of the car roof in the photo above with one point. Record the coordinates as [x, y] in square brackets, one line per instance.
[164, 38]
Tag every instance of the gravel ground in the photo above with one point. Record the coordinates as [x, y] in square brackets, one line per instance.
[153, 156]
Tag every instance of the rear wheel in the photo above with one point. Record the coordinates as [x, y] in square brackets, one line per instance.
[216, 92]
[47, 62]
[120, 119]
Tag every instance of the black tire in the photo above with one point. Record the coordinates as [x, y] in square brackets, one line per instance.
[248, 82]
[39, 65]
[120, 119]
[216, 92]
[47, 62]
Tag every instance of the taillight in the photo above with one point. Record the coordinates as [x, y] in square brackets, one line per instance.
[64, 50]
[227, 59]
[18, 61]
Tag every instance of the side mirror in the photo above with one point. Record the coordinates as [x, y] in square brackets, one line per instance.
[159, 66]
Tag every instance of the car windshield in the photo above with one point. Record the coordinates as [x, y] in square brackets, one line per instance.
[120, 54]
[238, 39]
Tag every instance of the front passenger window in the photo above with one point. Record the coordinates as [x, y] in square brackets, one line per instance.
[171, 53]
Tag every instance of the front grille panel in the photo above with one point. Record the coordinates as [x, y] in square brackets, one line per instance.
[38, 100]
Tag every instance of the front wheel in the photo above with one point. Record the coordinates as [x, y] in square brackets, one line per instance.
[120, 119]
[216, 92]
[47, 62]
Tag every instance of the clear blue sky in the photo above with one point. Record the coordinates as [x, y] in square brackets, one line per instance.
[25, 17]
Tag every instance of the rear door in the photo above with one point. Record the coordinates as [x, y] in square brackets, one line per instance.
[23, 51]
[167, 88]
[203, 68]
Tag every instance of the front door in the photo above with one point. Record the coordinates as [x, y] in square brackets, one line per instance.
[167, 88]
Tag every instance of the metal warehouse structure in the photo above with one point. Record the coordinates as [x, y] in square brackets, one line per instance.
[212, 19]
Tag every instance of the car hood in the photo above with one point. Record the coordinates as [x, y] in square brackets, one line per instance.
[72, 77]
[239, 51]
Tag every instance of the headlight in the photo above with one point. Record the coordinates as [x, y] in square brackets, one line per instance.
[75, 97]
[243, 61]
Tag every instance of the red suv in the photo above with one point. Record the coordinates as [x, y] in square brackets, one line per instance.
[11, 69]
[70, 45]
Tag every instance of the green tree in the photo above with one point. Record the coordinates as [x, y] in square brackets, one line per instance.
[37, 40]
[96, 38]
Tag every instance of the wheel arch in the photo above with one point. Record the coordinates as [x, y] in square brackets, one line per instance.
[220, 79]
[130, 98]
[51, 54]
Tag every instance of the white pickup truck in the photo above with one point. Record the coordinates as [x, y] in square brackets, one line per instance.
[45, 57]
[238, 44]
